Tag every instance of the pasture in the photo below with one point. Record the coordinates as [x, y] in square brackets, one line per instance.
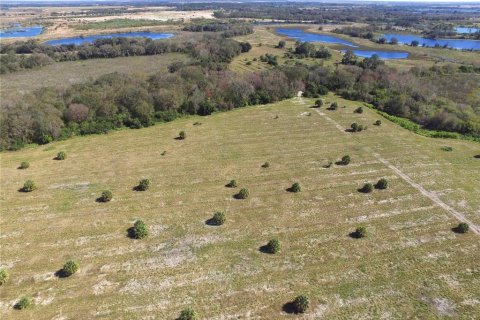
[411, 264]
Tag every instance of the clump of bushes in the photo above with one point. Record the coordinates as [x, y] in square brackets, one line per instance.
[243, 194]
[266, 165]
[143, 185]
[24, 165]
[355, 127]
[61, 156]
[182, 135]
[333, 106]
[3, 276]
[367, 188]
[273, 246]
[23, 303]
[188, 314]
[300, 304]
[295, 187]
[70, 267]
[318, 103]
[218, 218]
[28, 186]
[345, 160]
[232, 184]
[139, 230]
[359, 110]
[462, 228]
[378, 123]
[106, 196]
[382, 184]
[361, 232]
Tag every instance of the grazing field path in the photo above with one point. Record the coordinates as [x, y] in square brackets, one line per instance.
[432, 196]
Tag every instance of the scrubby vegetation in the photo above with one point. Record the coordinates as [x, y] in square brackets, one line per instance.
[61, 156]
[463, 227]
[232, 184]
[218, 218]
[24, 165]
[3, 276]
[367, 188]
[23, 303]
[295, 188]
[360, 232]
[143, 185]
[106, 196]
[301, 304]
[29, 186]
[273, 246]
[243, 194]
[188, 314]
[382, 184]
[139, 230]
[266, 165]
[346, 160]
[70, 267]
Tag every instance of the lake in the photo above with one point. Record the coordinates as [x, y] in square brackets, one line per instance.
[90, 39]
[303, 36]
[451, 43]
[381, 54]
[466, 30]
[21, 32]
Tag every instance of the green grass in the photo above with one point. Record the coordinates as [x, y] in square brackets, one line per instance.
[120, 23]
[411, 265]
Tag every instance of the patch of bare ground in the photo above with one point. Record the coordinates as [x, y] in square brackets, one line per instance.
[442, 306]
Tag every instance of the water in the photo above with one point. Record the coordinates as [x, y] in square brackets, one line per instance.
[466, 30]
[381, 54]
[451, 43]
[90, 39]
[303, 36]
[21, 32]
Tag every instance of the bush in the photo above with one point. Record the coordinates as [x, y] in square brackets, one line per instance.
[355, 127]
[106, 196]
[359, 110]
[333, 106]
[61, 156]
[218, 218]
[273, 246]
[23, 303]
[143, 185]
[295, 187]
[447, 148]
[232, 184]
[3, 276]
[301, 304]
[318, 103]
[266, 165]
[182, 135]
[361, 232]
[346, 160]
[367, 188]
[463, 227]
[188, 314]
[29, 186]
[140, 230]
[378, 123]
[70, 267]
[243, 194]
[382, 184]
[24, 165]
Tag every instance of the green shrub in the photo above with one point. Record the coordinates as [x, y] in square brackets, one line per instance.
[188, 314]
[359, 110]
[3, 276]
[295, 187]
[463, 227]
[143, 185]
[70, 267]
[333, 106]
[318, 103]
[382, 184]
[29, 186]
[106, 196]
[355, 127]
[61, 155]
[243, 194]
[232, 184]
[301, 304]
[218, 218]
[266, 165]
[367, 188]
[140, 229]
[447, 148]
[378, 123]
[23, 303]
[361, 232]
[346, 160]
[182, 135]
[24, 165]
[273, 246]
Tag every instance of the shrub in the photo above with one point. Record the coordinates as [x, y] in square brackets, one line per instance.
[463, 227]
[318, 103]
[367, 188]
[218, 218]
[346, 160]
[188, 314]
[232, 184]
[61, 155]
[23, 303]
[382, 184]
[273, 246]
[266, 165]
[359, 110]
[3, 276]
[140, 229]
[106, 196]
[333, 106]
[143, 185]
[447, 148]
[355, 127]
[361, 232]
[378, 123]
[70, 267]
[29, 186]
[301, 304]
[24, 165]
[243, 194]
[182, 135]
[295, 187]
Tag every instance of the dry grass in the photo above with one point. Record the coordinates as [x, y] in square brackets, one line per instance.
[411, 266]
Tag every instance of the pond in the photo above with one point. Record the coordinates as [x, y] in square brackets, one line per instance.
[303, 36]
[90, 39]
[381, 54]
[466, 30]
[21, 32]
[451, 43]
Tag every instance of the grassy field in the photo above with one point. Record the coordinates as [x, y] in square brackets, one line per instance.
[410, 266]
[64, 74]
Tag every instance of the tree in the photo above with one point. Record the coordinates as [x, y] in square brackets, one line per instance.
[318, 103]
[188, 314]
[393, 40]
[273, 246]
[70, 267]
[295, 187]
[301, 304]
[463, 227]
[243, 194]
[414, 43]
[378, 123]
[143, 185]
[106, 196]
[382, 40]
[333, 106]
[349, 58]
[182, 135]
[346, 160]
[361, 232]
[218, 218]
[3, 276]
[382, 184]
[281, 44]
[367, 188]
[29, 186]
[359, 110]
[140, 229]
